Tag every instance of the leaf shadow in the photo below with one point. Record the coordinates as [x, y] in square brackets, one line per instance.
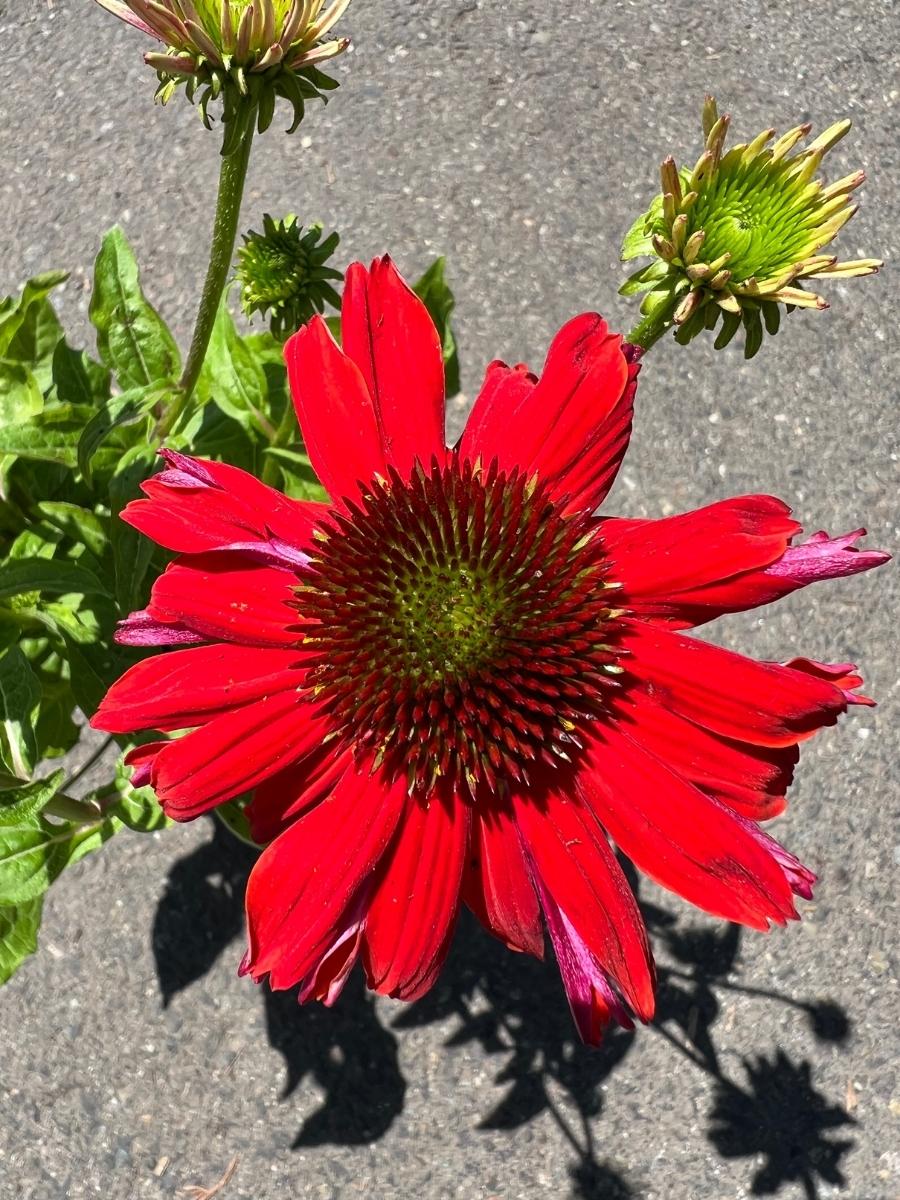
[514, 1009]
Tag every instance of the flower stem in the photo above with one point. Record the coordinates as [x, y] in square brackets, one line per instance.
[232, 177]
[648, 331]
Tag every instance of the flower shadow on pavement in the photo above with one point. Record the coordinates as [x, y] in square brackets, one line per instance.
[512, 1006]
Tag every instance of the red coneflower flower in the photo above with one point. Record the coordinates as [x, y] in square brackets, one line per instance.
[455, 683]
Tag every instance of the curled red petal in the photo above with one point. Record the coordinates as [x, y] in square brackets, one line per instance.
[497, 885]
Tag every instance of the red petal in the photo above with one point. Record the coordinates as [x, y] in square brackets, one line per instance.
[283, 797]
[305, 882]
[234, 753]
[335, 411]
[761, 703]
[680, 837]
[142, 758]
[416, 899]
[727, 557]
[666, 567]
[497, 884]
[208, 594]
[386, 330]
[571, 854]
[196, 505]
[572, 427]
[189, 687]
[750, 779]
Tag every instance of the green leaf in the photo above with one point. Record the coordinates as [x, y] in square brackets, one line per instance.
[52, 436]
[137, 808]
[300, 482]
[29, 328]
[20, 397]
[20, 698]
[232, 376]
[77, 523]
[125, 409]
[35, 853]
[19, 927]
[57, 576]
[77, 378]
[434, 291]
[132, 339]
[19, 805]
[131, 550]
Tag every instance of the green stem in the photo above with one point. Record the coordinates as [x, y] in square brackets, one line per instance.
[232, 177]
[650, 329]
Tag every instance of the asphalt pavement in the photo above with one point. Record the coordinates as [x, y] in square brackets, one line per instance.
[519, 138]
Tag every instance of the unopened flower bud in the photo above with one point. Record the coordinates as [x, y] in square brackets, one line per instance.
[282, 272]
[741, 233]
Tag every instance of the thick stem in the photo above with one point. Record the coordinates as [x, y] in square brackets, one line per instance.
[648, 331]
[232, 177]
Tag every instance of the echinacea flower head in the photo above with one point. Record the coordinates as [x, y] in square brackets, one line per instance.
[455, 684]
[239, 49]
[742, 233]
[282, 271]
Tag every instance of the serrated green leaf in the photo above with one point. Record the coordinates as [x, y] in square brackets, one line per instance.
[19, 805]
[20, 698]
[21, 398]
[434, 292]
[132, 338]
[52, 436]
[56, 576]
[19, 927]
[125, 409]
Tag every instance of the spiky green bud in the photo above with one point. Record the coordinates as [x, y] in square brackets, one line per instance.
[739, 234]
[245, 53]
[282, 272]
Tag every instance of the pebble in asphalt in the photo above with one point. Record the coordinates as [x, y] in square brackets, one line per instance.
[135, 1062]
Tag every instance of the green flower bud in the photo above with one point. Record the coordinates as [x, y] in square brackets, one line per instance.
[238, 51]
[739, 234]
[282, 272]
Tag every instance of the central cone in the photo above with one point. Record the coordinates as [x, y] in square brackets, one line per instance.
[458, 626]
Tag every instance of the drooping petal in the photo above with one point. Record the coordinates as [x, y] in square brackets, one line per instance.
[387, 331]
[570, 854]
[325, 981]
[335, 411]
[141, 760]
[415, 899]
[664, 566]
[572, 426]
[680, 837]
[234, 753]
[190, 687]
[305, 882]
[196, 505]
[222, 598]
[748, 778]
[735, 697]
[286, 795]
[497, 884]
[843, 675]
[727, 557]
[592, 998]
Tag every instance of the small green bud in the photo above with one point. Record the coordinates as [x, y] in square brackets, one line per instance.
[282, 272]
[739, 233]
[245, 53]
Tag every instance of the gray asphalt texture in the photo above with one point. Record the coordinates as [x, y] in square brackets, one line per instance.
[520, 139]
